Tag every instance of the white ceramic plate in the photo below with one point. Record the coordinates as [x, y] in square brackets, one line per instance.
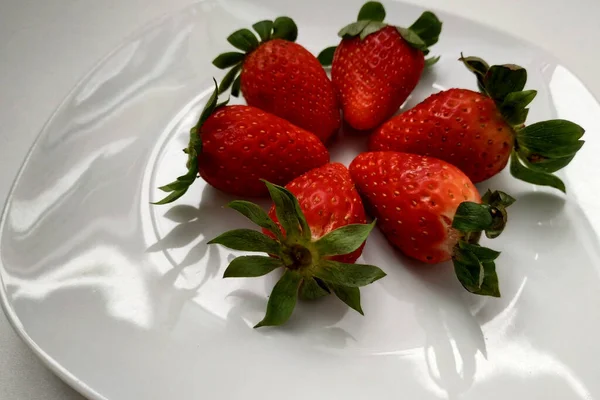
[124, 300]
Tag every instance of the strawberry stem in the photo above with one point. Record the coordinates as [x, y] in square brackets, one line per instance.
[300, 256]
[540, 149]
[246, 41]
[474, 264]
[179, 187]
[475, 268]
[308, 271]
[422, 34]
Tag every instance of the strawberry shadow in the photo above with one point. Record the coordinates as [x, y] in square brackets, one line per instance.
[348, 144]
[541, 224]
[453, 336]
[311, 321]
[203, 222]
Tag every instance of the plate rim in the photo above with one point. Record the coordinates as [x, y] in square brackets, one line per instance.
[54, 366]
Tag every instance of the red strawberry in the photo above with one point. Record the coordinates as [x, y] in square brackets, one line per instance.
[281, 77]
[329, 200]
[376, 66]
[478, 132]
[313, 238]
[233, 147]
[431, 211]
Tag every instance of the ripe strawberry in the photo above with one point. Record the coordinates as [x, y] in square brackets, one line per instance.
[233, 147]
[376, 66]
[314, 249]
[281, 77]
[431, 211]
[478, 132]
[329, 200]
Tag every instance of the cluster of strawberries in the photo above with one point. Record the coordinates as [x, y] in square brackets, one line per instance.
[416, 180]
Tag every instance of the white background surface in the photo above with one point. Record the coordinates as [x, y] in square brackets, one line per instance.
[46, 47]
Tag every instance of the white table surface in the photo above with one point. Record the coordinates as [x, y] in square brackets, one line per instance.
[46, 46]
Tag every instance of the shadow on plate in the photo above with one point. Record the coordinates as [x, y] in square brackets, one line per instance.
[451, 318]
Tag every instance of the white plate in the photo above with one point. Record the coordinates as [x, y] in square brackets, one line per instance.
[123, 300]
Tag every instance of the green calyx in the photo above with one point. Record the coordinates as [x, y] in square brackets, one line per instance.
[246, 41]
[177, 188]
[309, 272]
[474, 265]
[421, 35]
[541, 148]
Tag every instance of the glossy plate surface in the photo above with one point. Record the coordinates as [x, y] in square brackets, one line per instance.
[124, 300]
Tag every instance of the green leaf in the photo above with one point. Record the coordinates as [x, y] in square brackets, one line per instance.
[352, 275]
[344, 240]
[479, 67]
[282, 300]
[223, 103]
[371, 11]
[513, 106]
[412, 38]
[210, 106]
[428, 27]
[226, 60]
[476, 274]
[472, 217]
[181, 184]
[475, 268]
[235, 89]
[183, 181]
[353, 29]
[487, 197]
[501, 80]
[499, 219]
[251, 266]
[285, 28]
[515, 117]
[548, 165]
[498, 202]
[311, 290]
[518, 99]
[325, 57]
[476, 65]
[304, 227]
[179, 187]
[288, 212]
[549, 148]
[489, 285]
[247, 240]
[468, 275]
[257, 215]
[431, 61]
[497, 198]
[471, 272]
[263, 28]
[243, 39]
[520, 171]
[371, 27]
[349, 295]
[551, 139]
[482, 253]
[229, 78]
[172, 196]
